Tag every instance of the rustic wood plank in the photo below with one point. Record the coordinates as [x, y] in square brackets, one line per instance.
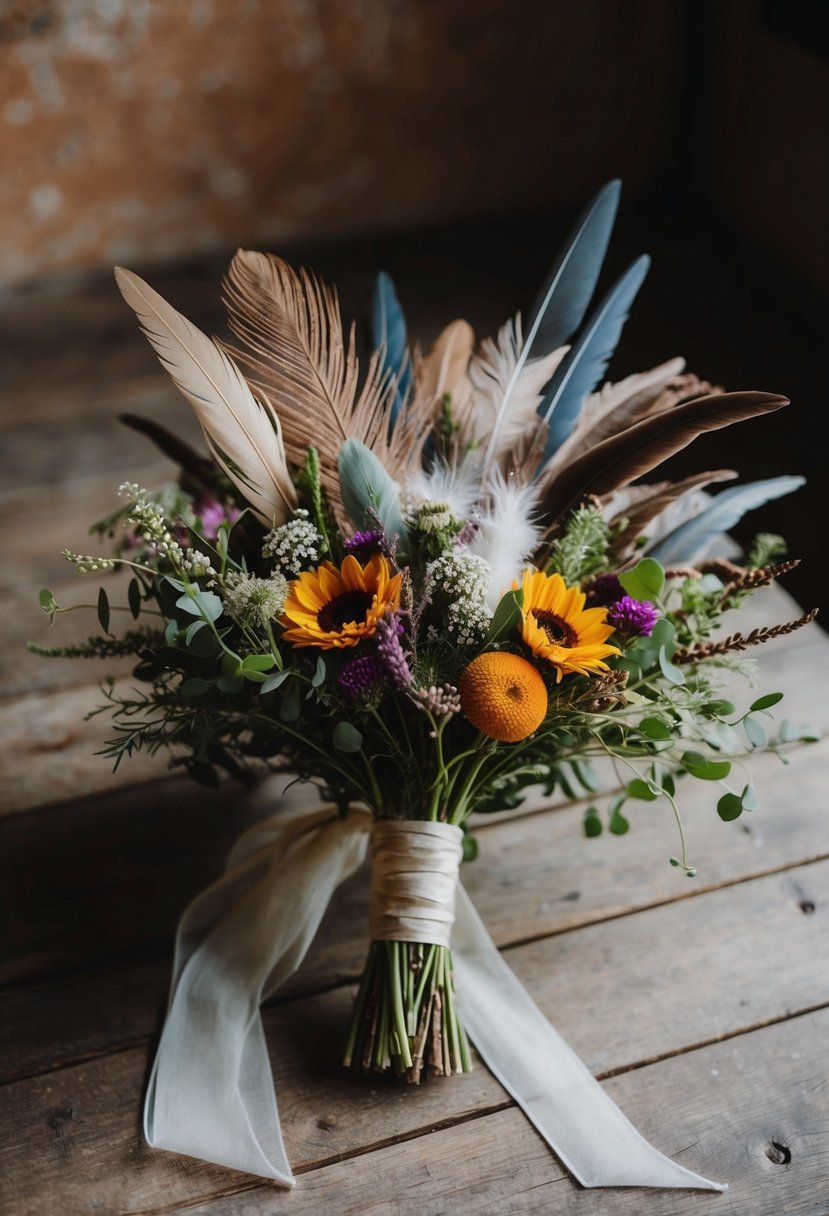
[647, 998]
[139, 854]
[751, 1111]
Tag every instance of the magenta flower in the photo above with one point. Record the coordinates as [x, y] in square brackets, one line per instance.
[633, 618]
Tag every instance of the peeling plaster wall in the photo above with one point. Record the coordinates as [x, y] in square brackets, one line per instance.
[150, 130]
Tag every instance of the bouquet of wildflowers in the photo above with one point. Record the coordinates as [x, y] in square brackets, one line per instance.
[432, 581]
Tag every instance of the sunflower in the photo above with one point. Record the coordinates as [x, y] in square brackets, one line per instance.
[331, 608]
[557, 627]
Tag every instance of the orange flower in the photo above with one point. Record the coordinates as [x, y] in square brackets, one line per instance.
[332, 608]
[557, 626]
[503, 695]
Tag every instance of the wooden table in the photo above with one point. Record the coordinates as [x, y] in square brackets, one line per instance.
[703, 1005]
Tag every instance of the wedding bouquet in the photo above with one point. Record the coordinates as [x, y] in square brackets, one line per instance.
[430, 581]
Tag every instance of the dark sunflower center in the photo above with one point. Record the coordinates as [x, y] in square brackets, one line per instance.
[350, 606]
[559, 632]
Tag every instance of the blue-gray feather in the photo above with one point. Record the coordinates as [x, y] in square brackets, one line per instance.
[369, 493]
[584, 365]
[697, 537]
[566, 293]
[388, 331]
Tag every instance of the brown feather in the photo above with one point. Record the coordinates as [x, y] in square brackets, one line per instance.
[661, 495]
[294, 348]
[623, 458]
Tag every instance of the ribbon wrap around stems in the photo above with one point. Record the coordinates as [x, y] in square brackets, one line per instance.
[211, 1093]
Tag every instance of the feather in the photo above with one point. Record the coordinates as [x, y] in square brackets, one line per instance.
[369, 494]
[697, 537]
[641, 505]
[388, 331]
[293, 345]
[490, 371]
[243, 433]
[458, 486]
[615, 406]
[444, 369]
[507, 534]
[624, 458]
[566, 292]
[587, 359]
[201, 470]
[565, 295]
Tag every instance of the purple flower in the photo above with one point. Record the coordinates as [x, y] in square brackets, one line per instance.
[363, 545]
[359, 676]
[635, 618]
[603, 590]
[212, 513]
[389, 633]
[468, 532]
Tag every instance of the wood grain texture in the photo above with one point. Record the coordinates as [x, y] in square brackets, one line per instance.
[673, 992]
[733, 1111]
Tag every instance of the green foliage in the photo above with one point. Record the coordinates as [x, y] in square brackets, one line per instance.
[581, 550]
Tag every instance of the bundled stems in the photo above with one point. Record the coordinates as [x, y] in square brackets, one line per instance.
[405, 1018]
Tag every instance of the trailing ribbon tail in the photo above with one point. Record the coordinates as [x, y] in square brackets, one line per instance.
[211, 1094]
[557, 1092]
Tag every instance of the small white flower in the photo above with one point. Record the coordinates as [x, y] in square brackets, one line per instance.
[295, 545]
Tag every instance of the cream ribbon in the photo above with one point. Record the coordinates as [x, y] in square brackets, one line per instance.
[211, 1092]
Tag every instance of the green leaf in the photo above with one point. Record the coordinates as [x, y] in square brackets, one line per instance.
[618, 824]
[171, 633]
[719, 709]
[369, 493]
[319, 675]
[766, 702]
[195, 687]
[192, 630]
[134, 598]
[670, 670]
[707, 770]
[749, 798]
[506, 618]
[655, 728]
[230, 684]
[201, 603]
[586, 774]
[46, 599]
[103, 609]
[258, 662]
[645, 581]
[643, 790]
[470, 846]
[730, 807]
[273, 682]
[346, 738]
[755, 731]
[592, 824]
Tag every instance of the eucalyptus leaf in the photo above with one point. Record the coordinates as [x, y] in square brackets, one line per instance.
[755, 731]
[766, 702]
[346, 738]
[730, 807]
[670, 670]
[591, 823]
[274, 681]
[645, 581]
[749, 798]
[707, 770]
[320, 673]
[642, 790]
[192, 630]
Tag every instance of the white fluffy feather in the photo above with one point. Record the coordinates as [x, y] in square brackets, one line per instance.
[458, 487]
[507, 535]
[243, 433]
[491, 371]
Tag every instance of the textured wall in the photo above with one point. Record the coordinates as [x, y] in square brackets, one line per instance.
[154, 129]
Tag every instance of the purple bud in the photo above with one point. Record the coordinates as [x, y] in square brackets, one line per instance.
[359, 676]
[390, 652]
[635, 618]
[363, 545]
